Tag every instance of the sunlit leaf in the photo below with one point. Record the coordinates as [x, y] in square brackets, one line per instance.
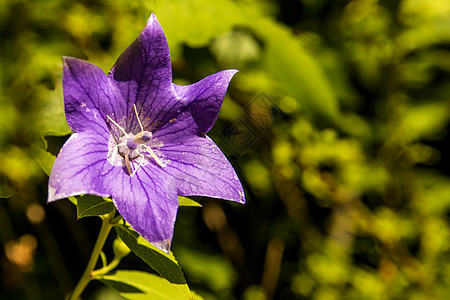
[185, 201]
[74, 200]
[164, 264]
[136, 285]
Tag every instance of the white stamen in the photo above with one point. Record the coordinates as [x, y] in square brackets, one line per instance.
[153, 155]
[137, 117]
[127, 163]
[120, 127]
[140, 164]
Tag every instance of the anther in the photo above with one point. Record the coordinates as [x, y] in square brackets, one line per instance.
[143, 137]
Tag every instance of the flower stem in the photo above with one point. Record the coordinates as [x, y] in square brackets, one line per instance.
[111, 266]
[101, 239]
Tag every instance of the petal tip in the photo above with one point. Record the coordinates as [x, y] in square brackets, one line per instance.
[69, 59]
[66, 61]
[51, 194]
[70, 62]
[227, 75]
[152, 17]
[241, 197]
[153, 21]
[231, 72]
[163, 245]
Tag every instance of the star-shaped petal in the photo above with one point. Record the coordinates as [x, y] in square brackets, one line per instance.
[141, 139]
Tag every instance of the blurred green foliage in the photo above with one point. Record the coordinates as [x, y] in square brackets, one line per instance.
[337, 124]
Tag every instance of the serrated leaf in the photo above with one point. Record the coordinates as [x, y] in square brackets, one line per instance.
[137, 285]
[90, 205]
[164, 264]
[184, 201]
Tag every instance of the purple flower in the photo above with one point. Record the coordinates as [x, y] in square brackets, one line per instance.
[141, 139]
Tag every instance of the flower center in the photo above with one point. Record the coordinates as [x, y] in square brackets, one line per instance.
[139, 148]
[129, 147]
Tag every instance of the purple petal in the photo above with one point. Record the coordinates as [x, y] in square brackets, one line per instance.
[80, 167]
[148, 202]
[89, 96]
[143, 71]
[184, 162]
[201, 104]
[201, 169]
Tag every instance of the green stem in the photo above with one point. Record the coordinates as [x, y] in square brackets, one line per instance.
[107, 224]
[111, 266]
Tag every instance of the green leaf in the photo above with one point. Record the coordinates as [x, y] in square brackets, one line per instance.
[184, 201]
[212, 271]
[425, 120]
[6, 190]
[74, 200]
[196, 296]
[90, 205]
[200, 20]
[137, 285]
[50, 116]
[44, 159]
[164, 264]
[299, 74]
